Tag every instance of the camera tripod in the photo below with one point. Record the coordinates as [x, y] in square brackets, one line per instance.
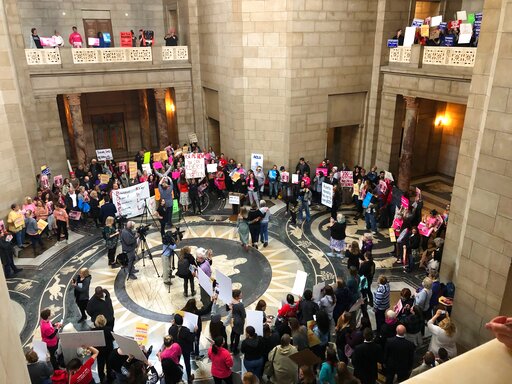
[142, 248]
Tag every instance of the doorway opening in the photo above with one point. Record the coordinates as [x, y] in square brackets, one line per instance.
[341, 148]
[214, 135]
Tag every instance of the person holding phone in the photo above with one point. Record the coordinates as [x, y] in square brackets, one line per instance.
[81, 283]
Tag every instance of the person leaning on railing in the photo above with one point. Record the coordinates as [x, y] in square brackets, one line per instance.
[501, 326]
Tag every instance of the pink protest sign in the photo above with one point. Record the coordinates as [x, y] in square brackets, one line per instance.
[324, 171]
[424, 230]
[405, 202]
[175, 175]
[285, 177]
[122, 166]
[75, 215]
[346, 178]
[397, 224]
[157, 165]
[45, 182]
[57, 180]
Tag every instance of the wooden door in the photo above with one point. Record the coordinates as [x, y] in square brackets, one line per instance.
[93, 26]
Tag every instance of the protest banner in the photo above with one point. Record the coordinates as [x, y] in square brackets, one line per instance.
[192, 138]
[392, 43]
[285, 177]
[255, 319]
[347, 178]
[234, 198]
[324, 171]
[147, 168]
[126, 39]
[300, 283]
[104, 154]
[256, 160]
[410, 34]
[57, 180]
[132, 167]
[436, 20]
[129, 201]
[104, 179]
[47, 41]
[194, 165]
[141, 333]
[327, 192]
[225, 287]
[77, 339]
[129, 346]
[211, 168]
[74, 215]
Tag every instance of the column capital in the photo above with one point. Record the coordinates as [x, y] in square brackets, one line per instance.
[73, 98]
[410, 102]
[160, 93]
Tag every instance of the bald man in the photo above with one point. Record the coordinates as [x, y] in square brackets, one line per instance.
[398, 356]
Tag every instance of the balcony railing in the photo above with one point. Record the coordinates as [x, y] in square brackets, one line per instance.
[107, 55]
[449, 56]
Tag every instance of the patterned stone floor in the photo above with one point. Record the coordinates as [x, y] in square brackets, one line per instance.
[267, 273]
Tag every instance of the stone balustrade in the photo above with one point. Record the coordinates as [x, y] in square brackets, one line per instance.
[107, 55]
[448, 56]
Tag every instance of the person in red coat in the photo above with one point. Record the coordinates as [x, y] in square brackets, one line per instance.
[222, 362]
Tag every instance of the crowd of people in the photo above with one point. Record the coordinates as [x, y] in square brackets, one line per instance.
[101, 40]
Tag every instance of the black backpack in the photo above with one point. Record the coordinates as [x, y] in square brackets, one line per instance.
[183, 268]
[122, 259]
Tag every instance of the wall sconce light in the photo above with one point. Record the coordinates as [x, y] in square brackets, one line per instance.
[63, 13]
[126, 14]
[169, 105]
[441, 120]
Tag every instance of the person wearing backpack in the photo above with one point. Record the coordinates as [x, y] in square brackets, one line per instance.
[422, 299]
[185, 260]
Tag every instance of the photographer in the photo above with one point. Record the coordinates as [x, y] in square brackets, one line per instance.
[169, 245]
[129, 245]
[111, 237]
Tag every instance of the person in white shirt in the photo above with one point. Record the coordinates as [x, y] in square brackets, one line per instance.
[57, 38]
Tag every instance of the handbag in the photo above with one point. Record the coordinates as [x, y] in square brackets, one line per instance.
[268, 370]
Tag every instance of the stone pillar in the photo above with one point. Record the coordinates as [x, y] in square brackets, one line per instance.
[78, 126]
[144, 119]
[161, 117]
[411, 118]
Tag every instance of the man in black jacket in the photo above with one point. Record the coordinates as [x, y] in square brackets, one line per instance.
[307, 308]
[129, 246]
[365, 359]
[398, 357]
[107, 209]
[101, 304]
[185, 338]
[7, 256]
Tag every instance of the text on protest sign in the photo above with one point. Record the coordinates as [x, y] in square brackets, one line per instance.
[104, 154]
[194, 165]
[130, 201]
[347, 178]
[256, 161]
[327, 190]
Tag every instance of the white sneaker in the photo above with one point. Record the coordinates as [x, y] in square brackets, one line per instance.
[330, 254]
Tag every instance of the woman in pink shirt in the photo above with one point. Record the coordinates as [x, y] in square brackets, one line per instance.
[222, 362]
[50, 335]
[170, 357]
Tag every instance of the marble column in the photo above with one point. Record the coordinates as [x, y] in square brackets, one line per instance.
[144, 119]
[411, 119]
[78, 126]
[161, 117]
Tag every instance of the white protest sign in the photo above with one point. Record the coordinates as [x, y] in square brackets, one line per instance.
[466, 31]
[151, 203]
[462, 15]
[204, 281]
[147, 168]
[347, 178]
[300, 283]
[327, 191]
[317, 290]
[130, 347]
[77, 339]
[256, 161]
[388, 175]
[225, 284]
[130, 201]
[211, 168]
[194, 165]
[192, 138]
[40, 348]
[285, 177]
[436, 20]
[234, 199]
[410, 33]
[104, 154]
[255, 319]
[295, 178]
[190, 320]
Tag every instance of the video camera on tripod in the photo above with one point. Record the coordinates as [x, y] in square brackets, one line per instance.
[173, 237]
[142, 230]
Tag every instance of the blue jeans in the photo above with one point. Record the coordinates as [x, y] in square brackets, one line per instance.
[20, 237]
[371, 223]
[254, 366]
[272, 186]
[264, 232]
[304, 206]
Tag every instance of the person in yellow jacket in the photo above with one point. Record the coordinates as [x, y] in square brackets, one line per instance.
[16, 224]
